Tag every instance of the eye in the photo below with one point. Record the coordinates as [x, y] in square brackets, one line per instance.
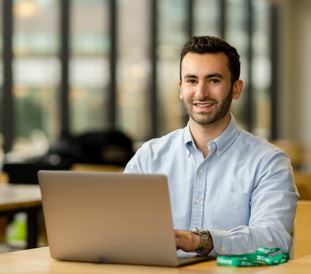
[191, 81]
[214, 80]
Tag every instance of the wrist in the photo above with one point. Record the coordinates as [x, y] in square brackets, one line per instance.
[204, 244]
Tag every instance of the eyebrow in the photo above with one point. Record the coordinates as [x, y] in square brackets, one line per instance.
[208, 76]
[187, 76]
[212, 75]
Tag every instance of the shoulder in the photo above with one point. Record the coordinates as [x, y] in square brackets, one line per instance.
[154, 150]
[270, 166]
[164, 144]
[258, 145]
[259, 153]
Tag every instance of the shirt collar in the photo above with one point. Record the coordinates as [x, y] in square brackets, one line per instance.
[220, 143]
[227, 137]
[188, 141]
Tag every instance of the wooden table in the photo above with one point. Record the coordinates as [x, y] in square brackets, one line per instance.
[38, 260]
[22, 198]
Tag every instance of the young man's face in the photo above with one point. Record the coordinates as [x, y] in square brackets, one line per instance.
[206, 87]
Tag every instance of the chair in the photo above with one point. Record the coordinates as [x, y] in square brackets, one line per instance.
[26, 172]
[3, 177]
[302, 229]
[303, 183]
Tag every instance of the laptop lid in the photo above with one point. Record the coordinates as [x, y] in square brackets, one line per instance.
[109, 218]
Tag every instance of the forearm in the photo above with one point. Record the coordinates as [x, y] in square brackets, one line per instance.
[240, 240]
[246, 239]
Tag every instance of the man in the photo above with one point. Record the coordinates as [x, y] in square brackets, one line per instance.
[230, 191]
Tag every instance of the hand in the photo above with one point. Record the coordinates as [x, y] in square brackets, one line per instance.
[186, 240]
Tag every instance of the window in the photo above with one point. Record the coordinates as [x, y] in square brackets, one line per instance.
[35, 73]
[261, 69]
[133, 68]
[171, 19]
[89, 66]
[237, 35]
[207, 17]
[121, 47]
[1, 89]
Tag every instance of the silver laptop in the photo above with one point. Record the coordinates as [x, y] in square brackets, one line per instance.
[110, 218]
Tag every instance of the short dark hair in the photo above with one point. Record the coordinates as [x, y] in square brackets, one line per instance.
[210, 44]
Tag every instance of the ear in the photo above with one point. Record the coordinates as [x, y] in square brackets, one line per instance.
[237, 89]
[180, 93]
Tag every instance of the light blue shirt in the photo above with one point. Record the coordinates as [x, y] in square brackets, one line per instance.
[243, 192]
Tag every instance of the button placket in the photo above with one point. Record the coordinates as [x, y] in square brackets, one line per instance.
[199, 190]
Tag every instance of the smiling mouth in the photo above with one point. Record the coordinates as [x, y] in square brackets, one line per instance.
[204, 104]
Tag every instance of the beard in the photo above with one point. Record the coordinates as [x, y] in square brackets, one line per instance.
[206, 118]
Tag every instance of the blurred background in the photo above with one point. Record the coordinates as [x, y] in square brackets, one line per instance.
[84, 82]
[77, 66]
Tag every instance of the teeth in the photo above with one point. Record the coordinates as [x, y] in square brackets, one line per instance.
[204, 105]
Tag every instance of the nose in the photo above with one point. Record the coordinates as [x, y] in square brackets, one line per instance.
[201, 91]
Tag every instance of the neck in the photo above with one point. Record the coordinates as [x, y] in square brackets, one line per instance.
[203, 134]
